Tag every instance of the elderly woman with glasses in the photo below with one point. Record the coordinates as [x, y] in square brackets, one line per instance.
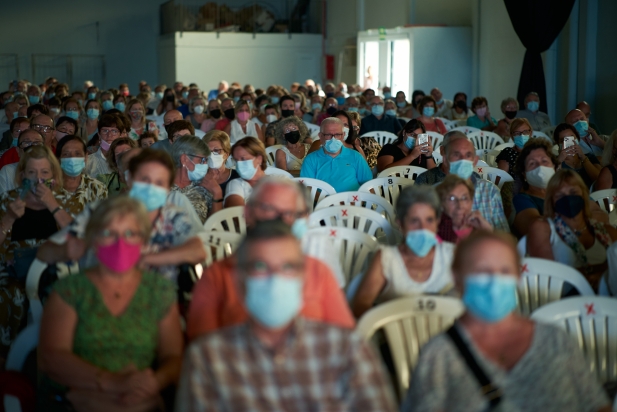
[520, 130]
[419, 265]
[194, 178]
[103, 330]
[291, 133]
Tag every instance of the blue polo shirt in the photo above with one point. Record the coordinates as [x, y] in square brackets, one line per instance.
[345, 172]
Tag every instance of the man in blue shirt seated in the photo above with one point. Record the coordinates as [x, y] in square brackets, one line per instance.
[377, 121]
[223, 87]
[342, 168]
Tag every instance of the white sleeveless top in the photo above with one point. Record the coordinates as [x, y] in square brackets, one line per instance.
[236, 132]
[293, 163]
[562, 253]
[398, 281]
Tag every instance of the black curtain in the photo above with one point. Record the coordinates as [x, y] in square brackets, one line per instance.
[537, 23]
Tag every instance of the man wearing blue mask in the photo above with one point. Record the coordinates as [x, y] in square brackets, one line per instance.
[590, 141]
[443, 105]
[277, 359]
[459, 157]
[538, 120]
[345, 169]
[378, 120]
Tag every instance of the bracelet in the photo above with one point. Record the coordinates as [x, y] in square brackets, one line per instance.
[218, 200]
[56, 210]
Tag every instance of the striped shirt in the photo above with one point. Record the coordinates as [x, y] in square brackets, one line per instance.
[319, 367]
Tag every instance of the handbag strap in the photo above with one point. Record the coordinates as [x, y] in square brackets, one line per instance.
[489, 391]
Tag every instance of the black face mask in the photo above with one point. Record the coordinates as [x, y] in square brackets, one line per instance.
[293, 136]
[331, 110]
[230, 113]
[511, 114]
[216, 113]
[170, 97]
[570, 206]
[461, 104]
[287, 113]
[329, 94]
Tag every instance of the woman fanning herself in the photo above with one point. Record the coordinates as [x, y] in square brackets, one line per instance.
[102, 330]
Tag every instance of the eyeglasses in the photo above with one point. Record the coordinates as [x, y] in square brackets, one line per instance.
[217, 151]
[290, 129]
[356, 128]
[285, 215]
[202, 159]
[112, 132]
[261, 268]
[458, 200]
[522, 133]
[42, 128]
[412, 135]
[26, 145]
[107, 237]
[329, 136]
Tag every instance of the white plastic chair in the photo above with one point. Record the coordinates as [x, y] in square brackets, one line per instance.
[219, 245]
[387, 187]
[408, 172]
[493, 174]
[591, 321]
[381, 137]
[408, 323]
[466, 129]
[271, 154]
[230, 219]
[549, 131]
[319, 189]
[355, 217]
[606, 199]
[354, 247]
[541, 135]
[542, 282]
[11, 404]
[271, 170]
[521, 246]
[25, 342]
[361, 199]
[437, 157]
[436, 139]
[313, 129]
[491, 156]
[485, 140]
[33, 278]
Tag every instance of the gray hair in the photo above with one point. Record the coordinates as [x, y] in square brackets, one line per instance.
[274, 180]
[192, 102]
[507, 100]
[329, 120]
[279, 131]
[450, 137]
[188, 144]
[532, 94]
[412, 195]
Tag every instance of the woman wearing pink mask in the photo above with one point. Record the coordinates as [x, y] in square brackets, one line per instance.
[242, 126]
[102, 330]
[482, 119]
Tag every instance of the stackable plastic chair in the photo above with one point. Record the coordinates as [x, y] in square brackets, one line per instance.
[491, 155]
[408, 323]
[408, 172]
[230, 219]
[362, 199]
[542, 135]
[387, 187]
[271, 170]
[313, 129]
[49, 273]
[485, 140]
[493, 174]
[591, 321]
[271, 154]
[606, 199]
[437, 157]
[542, 282]
[437, 139]
[466, 129]
[355, 217]
[319, 189]
[219, 245]
[381, 137]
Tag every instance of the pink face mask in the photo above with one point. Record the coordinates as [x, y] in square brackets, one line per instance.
[120, 256]
[104, 145]
[481, 111]
[125, 93]
[243, 116]
[59, 135]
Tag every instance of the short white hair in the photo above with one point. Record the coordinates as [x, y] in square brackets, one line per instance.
[274, 180]
[330, 120]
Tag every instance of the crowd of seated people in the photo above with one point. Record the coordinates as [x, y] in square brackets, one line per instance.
[122, 181]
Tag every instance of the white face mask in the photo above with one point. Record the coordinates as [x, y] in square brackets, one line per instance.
[215, 161]
[345, 132]
[270, 118]
[540, 176]
[198, 109]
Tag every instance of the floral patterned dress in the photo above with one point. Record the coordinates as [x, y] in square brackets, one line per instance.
[200, 198]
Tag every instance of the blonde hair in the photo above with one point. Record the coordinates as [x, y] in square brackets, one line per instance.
[355, 116]
[113, 207]
[518, 122]
[130, 104]
[571, 178]
[219, 136]
[40, 152]
[450, 183]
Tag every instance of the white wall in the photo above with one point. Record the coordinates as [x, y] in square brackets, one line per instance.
[205, 58]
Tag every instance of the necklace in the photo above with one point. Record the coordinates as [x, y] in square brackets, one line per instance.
[579, 232]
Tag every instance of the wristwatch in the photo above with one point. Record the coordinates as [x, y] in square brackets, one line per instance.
[56, 210]
[217, 200]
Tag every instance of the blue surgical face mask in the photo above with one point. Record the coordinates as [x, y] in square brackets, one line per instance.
[439, 103]
[300, 227]
[108, 105]
[246, 169]
[34, 99]
[120, 106]
[533, 106]
[198, 173]
[152, 196]
[387, 95]
[462, 168]
[186, 94]
[275, 99]
[420, 242]
[428, 111]
[581, 127]
[410, 142]
[93, 113]
[352, 109]
[391, 112]
[377, 110]
[363, 112]
[316, 106]
[340, 100]
[73, 114]
[14, 143]
[490, 297]
[73, 166]
[158, 95]
[51, 95]
[91, 96]
[273, 300]
[236, 99]
[333, 145]
[15, 115]
[400, 105]
[519, 141]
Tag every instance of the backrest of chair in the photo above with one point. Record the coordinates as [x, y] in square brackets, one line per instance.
[437, 157]
[25, 342]
[482, 163]
[387, 187]
[354, 248]
[549, 131]
[354, 217]
[408, 172]
[493, 174]
[485, 140]
[606, 199]
[220, 244]
[592, 322]
[542, 282]
[313, 129]
[522, 246]
[230, 219]
[437, 138]
[319, 189]
[271, 154]
[361, 199]
[408, 324]
[271, 170]
[381, 137]
[541, 135]
[466, 129]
